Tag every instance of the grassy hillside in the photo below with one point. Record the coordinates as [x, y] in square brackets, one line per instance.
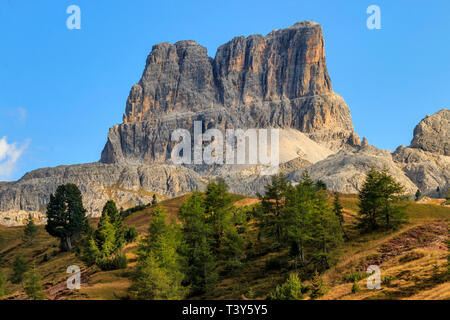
[413, 260]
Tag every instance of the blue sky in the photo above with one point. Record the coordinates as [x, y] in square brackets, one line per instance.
[60, 89]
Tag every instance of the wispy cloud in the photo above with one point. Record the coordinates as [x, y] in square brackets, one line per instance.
[10, 153]
[22, 114]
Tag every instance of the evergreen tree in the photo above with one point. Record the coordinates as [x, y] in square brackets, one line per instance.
[2, 283]
[233, 249]
[159, 272]
[90, 253]
[105, 237]
[355, 287]
[30, 231]
[272, 222]
[116, 220]
[292, 289]
[151, 282]
[379, 202]
[66, 218]
[20, 266]
[318, 288]
[201, 273]
[338, 211]
[447, 196]
[313, 230]
[33, 285]
[154, 200]
[218, 208]
[131, 234]
[320, 185]
[418, 195]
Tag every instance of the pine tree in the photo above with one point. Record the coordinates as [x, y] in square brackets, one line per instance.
[33, 285]
[355, 287]
[379, 202]
[272, 222]
[338, 211]
[159, 272]
[151, 282]
[90, 253]
[66, 218]
[313, 230]
[318, 288]
[418, 195]
[197, 234]
[154, 200]
[116, 220]
[217, 205]
[20, 266]
[30, 231]
[105, 237]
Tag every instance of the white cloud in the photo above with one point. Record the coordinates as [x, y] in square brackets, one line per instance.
[22, 114]
[9, 155]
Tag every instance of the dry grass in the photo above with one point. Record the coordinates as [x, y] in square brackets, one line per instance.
[411, 268]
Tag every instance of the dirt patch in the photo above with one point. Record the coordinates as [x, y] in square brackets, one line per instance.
[430, 235]
[246, 202]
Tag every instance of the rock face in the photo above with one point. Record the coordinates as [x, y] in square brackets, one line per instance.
[432, 134]
[279, 80]
[275, 81]
[128, 186]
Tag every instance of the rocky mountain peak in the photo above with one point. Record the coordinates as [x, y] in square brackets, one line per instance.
[285, 64]
[432, 133]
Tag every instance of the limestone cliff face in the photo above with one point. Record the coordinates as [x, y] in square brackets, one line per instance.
[127, 186]
[278, 80]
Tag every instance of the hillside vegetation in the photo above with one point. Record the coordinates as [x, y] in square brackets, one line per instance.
[412, 259]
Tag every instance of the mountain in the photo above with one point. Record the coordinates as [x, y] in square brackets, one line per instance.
[275, 81]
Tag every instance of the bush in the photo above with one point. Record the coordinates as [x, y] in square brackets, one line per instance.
[131, 234]
[292, 289]
[117, 262]
[354, 276]
[387, 280]
[355, 287]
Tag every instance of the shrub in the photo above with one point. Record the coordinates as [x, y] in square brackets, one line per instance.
[387, 280]
[292, 289]
[117, 262]
[354, 276]
[355, 287]
[131, 234]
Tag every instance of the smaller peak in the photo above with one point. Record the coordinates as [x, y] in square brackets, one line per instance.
[303, 24]
[186, 43]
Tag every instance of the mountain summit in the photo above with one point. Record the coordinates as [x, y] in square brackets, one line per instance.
[278, 80]
[275, 81]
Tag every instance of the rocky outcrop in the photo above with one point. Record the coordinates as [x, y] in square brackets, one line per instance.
[345, 171]
[432, 134]
[128, 186]
[279, 80]
[429, 171]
